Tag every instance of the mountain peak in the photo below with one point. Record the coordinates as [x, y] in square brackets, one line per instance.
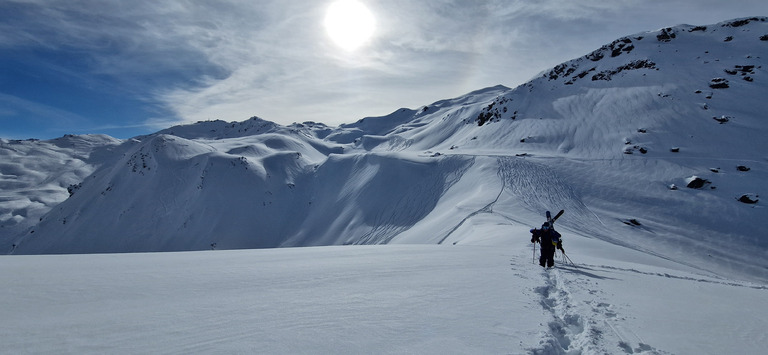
[219, 129]
[608, 137]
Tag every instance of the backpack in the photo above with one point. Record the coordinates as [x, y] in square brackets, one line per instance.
[555, 237]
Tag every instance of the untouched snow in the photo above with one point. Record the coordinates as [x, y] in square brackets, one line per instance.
[375, 299]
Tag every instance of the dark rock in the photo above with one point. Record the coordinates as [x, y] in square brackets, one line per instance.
[719, 83]
[666, 35]
[583, 74]
[744, 69]
[743, 22]
[742, 168]
[697, 183]
[73, 188]
[632, 222]
[637, 64]
[748, 199]
[596, 55]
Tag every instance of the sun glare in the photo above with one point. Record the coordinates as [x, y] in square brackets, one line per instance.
[349, 23]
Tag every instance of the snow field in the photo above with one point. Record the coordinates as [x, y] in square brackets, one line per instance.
[390, 299]
[394, 299]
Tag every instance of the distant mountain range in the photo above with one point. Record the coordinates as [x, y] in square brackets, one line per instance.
[656, 141]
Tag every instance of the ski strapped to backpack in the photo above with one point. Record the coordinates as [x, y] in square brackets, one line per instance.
[552, 220]
[551, 223]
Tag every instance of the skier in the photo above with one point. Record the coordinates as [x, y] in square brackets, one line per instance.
[549, 239]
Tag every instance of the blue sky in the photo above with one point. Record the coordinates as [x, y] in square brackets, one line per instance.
[126, 68]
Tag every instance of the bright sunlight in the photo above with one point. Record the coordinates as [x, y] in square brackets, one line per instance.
[349, 23]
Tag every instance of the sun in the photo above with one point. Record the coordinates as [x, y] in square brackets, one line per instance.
[349, 23]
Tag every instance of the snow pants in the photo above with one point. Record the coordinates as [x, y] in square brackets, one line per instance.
[547, 257]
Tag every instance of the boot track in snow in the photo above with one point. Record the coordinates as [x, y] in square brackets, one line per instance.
[592, 327]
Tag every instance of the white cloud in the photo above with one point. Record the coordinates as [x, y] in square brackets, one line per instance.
[235, 59]
[424, 51]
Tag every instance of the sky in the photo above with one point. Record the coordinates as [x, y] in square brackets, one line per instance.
[127, 68]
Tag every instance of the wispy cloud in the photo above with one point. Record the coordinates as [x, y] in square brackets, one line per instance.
[234, 59]
[15, 106]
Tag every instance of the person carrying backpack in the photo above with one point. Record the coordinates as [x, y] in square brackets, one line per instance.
[550, 241]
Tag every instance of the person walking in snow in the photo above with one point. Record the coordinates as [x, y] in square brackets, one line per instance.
[549, 239]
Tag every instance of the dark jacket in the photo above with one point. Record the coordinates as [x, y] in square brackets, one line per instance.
[549, 238]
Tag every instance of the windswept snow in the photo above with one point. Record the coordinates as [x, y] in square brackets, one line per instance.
[35, 175]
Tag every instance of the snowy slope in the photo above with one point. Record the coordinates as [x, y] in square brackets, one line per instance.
[612, 137]
[451, 187]
[620, 132]
[35, 175]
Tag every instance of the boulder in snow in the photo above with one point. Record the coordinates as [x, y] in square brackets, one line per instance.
[750, 199]
[695, 182]
[719, 83]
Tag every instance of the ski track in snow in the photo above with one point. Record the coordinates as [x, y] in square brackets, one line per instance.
[541, 188]
[485, 209]
[537, 187]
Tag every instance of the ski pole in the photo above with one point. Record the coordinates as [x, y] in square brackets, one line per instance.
[569, 259]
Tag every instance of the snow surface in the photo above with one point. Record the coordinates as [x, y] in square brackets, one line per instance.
[614, 138]
[390, 299]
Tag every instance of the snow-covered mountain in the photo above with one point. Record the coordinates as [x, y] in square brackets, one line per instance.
[655, 141]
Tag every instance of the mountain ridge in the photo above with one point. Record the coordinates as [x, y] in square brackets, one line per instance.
[613, 136]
